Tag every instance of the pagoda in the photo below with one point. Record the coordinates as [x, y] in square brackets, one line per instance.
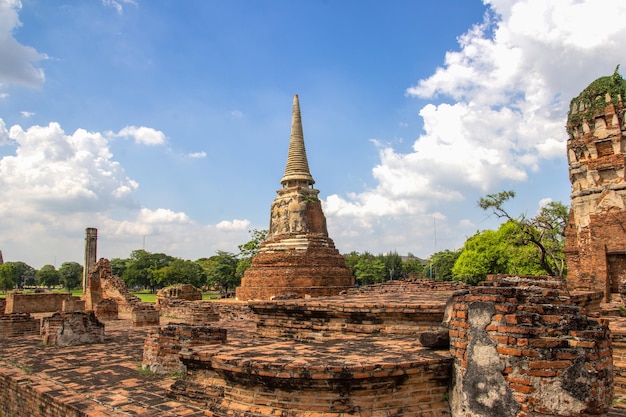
[298, 258]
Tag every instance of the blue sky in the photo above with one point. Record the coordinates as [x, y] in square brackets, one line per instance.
[166, 124]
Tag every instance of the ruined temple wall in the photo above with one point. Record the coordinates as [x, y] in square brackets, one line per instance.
[595, 233]
[597, 263]
[192, 312]
[35, 303]
[18, 325]
[163, 345]
[521, 348]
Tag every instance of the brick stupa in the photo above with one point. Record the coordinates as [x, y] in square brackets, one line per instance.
[298, 258]
[596, 233]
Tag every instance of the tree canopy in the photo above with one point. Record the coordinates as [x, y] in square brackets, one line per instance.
[545, 231]
[71, 275]
[48, 276]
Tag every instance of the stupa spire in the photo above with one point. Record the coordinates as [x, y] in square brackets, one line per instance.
[297, 169]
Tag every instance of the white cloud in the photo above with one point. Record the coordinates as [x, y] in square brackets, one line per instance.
[235, 224]
[27, 114]
[56, 184]
[236, 114]
[142, 135]
[496, 111]
[4, 133]
[201, 154]
[118, 5]
[53, 171]
[18, 63]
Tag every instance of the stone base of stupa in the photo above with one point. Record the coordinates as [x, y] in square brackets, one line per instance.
[297, 266]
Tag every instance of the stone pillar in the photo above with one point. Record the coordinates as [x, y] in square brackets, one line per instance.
[91, 251]
[1, 259]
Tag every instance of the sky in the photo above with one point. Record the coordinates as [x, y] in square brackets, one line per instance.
[165, 124]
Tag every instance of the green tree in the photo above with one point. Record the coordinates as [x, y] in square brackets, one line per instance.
[221, 270]
[48, 276]
[181, 271]
[439, 266]
[413, 266]
[394, 267]
[142, 266]
[351, 260]
[7, 276]
[249, 249]
[369, 269]
[24, 274]
[496, 252]
[118, 266]
[545, 231]
[71, 275]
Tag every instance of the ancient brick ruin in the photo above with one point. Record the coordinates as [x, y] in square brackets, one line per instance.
[309, 344]
[298, 258]
[522, 348]
[596, 232]
[69, 329]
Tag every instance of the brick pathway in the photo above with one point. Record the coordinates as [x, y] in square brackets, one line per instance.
[99, 379]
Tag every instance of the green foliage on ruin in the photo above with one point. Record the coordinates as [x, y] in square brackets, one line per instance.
[592, 99]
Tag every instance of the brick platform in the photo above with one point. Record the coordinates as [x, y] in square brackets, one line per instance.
[356, 376]
[330, 317]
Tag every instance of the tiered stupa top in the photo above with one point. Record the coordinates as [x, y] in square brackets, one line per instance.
[297, 169]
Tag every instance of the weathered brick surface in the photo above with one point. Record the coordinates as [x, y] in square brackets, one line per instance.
[521, 348]
[163, 345]
[18, 325]
[178, 291]
[354, 376]
[74, 328]
[280, 268]
[17, 302]
[144, 314]
[93, 380]
[191, 312]
[106, 309]
[3, 304]
[330, 317]
[596, 239]
[102, 284]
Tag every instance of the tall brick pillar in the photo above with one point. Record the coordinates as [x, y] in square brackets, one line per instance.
[1, 258]
[91, 251]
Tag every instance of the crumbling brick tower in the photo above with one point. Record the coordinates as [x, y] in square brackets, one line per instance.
[298, 258]
[596, 232]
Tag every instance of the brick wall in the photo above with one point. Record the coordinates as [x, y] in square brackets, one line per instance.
[35, 303]
[192, 312]
[144, 314]
[163, 345]
[318, 319]
[18, 325]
